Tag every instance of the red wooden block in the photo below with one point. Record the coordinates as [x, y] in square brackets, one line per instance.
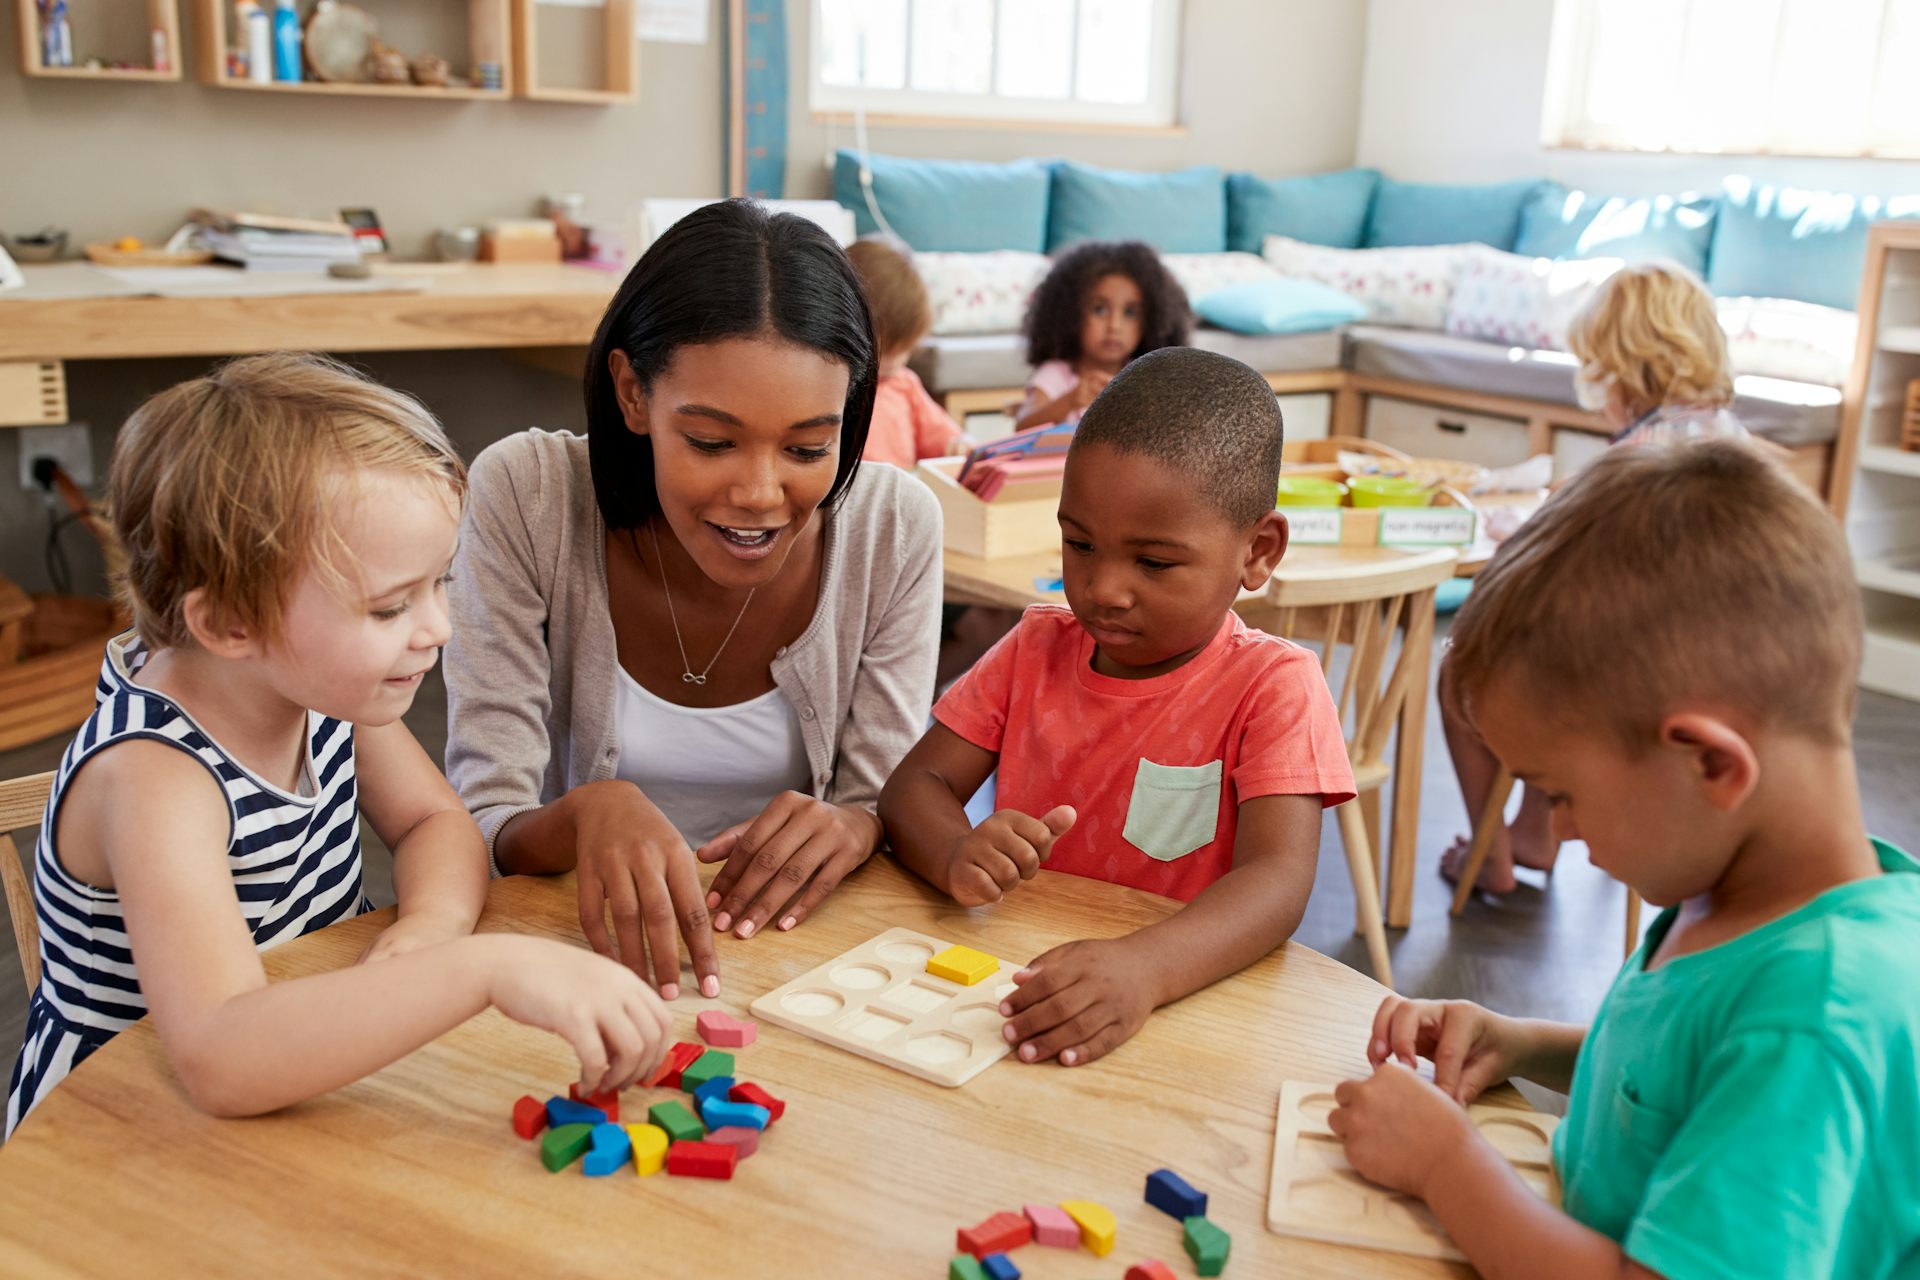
[702, 1159]
[998, 1234]
[747, 1140]
[750, 1092]
[1151, 1269]
[529, 1117]
[678, 1059]
[608, 1102]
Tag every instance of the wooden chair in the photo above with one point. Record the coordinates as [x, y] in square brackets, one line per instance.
[1484, 828]
[1361, 606]
[23, 802]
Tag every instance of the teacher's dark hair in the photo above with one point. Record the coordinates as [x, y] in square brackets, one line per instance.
[728, 270]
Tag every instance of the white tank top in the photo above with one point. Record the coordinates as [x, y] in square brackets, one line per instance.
[707, 768]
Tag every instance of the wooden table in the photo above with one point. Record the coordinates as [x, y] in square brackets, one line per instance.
[415, 1170]
[1009, 583]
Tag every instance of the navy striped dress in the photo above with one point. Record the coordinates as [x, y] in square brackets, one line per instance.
[295, 861]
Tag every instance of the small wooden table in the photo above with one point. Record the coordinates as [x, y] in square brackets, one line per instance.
[1009, 582]
[416, 1171]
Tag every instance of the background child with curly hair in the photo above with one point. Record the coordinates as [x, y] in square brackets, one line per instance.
[1103, 304]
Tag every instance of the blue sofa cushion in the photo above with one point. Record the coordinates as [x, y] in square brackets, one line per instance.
[1557, 223]
[1778, 242]
[950, 206]
[1183, 212]
[1286, 305]
[1417, 213]
[1320, 208]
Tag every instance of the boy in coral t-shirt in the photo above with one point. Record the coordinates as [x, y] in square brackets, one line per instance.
[1144, 735]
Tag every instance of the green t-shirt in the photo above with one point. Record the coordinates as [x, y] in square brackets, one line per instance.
[1753, 1110]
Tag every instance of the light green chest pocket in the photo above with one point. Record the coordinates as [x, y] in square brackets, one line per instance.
[1175, 809]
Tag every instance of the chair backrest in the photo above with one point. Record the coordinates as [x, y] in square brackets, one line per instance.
[23, 802]
[1360, 603]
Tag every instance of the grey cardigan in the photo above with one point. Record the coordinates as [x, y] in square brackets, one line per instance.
[531, 664]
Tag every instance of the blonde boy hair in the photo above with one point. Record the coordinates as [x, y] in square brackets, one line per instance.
[224, 484]
[1698, 574]
[902, 313]
[1652, 328]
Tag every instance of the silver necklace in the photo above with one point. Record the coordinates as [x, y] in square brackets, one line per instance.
[688, 676]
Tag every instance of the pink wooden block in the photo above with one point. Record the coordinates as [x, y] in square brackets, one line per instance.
[747, 1140]
[1053, 1226]
[725, 1031]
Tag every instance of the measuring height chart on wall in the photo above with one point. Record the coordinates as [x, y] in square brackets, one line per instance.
[757, 99]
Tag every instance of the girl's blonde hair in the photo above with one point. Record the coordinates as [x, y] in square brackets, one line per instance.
[1651, 328]
[224, 484]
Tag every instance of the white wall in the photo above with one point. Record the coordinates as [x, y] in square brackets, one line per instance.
[1452, 93]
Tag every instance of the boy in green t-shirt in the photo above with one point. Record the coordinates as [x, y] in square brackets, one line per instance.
[1669, 650]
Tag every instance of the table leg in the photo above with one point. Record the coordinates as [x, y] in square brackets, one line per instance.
[1408, 751]
[1369, 806]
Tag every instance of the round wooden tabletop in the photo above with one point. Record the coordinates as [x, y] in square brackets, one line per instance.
[416, 1170]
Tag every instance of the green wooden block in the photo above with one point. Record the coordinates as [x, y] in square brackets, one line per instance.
[561, 1146]
[708, 1066]
[966, 1267]
[1207, 1245]
[680, 1124]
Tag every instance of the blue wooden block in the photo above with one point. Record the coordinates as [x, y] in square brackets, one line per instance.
[721, 1114]
[1168, 1192]
[611, 1147]
[999, 1266]
[566, 1111]
[718, 1087]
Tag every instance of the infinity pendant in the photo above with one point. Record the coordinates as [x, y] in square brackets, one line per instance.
[687, 677]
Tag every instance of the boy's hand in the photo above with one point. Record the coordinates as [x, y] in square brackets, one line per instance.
[1471, 1047]
[616, 1024]
[1001, 852]
[414, 932]
[1079, 1002]
[1399, 1130]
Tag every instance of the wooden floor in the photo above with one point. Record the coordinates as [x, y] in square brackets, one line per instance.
[1544, 951]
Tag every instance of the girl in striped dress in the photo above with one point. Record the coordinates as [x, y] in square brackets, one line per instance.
[288, 527]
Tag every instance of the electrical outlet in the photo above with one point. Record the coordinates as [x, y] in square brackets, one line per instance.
[71, 446]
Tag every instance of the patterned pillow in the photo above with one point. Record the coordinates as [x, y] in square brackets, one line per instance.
[1408, 286]
[1521, 301]
[980, 292]
[1203, 273]
[1782, 338]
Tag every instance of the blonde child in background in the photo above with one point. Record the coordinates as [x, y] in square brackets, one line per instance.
[1654, 366]
[1101, 305]
[908, 424]
[288, 526]
[1669, 651]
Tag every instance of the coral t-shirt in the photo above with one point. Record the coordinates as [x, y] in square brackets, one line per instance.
[908, 424]
[1156, 768]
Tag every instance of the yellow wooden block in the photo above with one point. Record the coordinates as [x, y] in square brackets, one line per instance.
[963, 965]
[1097, 1227]
[649, 1147]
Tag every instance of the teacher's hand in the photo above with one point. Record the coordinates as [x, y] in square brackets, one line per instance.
[633, 863]
[787, 860]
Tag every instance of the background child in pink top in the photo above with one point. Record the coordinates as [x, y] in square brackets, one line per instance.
[1144, 735]
[1102, 304]
[908, 424]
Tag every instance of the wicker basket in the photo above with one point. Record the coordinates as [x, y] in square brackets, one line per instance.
[1910, 420]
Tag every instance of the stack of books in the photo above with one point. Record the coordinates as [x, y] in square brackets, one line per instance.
[262, 242]
[1038, 454]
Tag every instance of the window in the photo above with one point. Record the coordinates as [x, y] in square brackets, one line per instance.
[1064, 61]
[1749, 77]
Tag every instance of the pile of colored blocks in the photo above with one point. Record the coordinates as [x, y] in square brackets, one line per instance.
[1072, 1223]
[732, 1114]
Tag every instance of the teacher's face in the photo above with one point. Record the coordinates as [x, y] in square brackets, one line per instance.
[746, 442]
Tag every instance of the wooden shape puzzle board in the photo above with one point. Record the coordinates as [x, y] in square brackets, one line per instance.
[879, 1001]
[1316, 1194]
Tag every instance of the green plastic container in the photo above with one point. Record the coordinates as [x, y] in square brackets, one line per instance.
[1389, 491]
[1309, 491]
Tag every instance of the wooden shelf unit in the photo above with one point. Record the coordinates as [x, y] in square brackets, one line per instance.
[487, 25]
[162, 16]
[621, 75]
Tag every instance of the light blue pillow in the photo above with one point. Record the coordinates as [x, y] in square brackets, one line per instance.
[1183, 212]
[950, 206]
[1557, 223]
[1321, 208]
[1778, 242]
[1416, 213]
[1286, 305]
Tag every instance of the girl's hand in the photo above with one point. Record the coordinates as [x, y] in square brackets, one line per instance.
[1088, 389]
[1006, 848]
[1078, 1002]
[1399, 1130]
[413, 932]
[617, 1026]
[785, 861]
[1471, 1047]
[633, 862]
